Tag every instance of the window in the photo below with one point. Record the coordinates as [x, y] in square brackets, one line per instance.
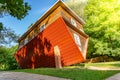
[26, 41]
[36, 32]
[21, 44]
[32, 35]
[77, 39]
[42, 27]
[29, 37]
[73, 22]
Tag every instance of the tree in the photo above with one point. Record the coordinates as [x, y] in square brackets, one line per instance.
[15, 8]
[103, 27]
[77, 6]
[7, 36]
[1, 26]
[7, 60]
[18, 9]
[102, 19]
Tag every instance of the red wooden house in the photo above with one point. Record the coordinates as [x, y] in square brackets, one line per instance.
[60, 27]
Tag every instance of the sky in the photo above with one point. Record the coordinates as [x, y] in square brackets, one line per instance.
[38, 8]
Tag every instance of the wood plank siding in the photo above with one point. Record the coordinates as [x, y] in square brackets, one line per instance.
[39, 51]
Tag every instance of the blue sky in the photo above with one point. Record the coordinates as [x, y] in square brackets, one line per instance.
[39, 7]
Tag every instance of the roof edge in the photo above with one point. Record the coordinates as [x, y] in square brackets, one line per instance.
[49, 11]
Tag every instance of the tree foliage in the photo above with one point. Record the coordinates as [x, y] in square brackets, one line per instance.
[1, 26]
[103, 27]
[18, 9]
[77, 6]
[102, 19]
[15, 8]
[7, 60]
[7, 36]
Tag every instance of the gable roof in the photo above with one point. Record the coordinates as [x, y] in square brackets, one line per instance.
[47, 13]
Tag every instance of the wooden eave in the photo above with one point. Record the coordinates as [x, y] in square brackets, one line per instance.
[47, 13]
[77, 30]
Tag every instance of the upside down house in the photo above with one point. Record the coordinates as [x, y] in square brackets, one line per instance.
[59, 27]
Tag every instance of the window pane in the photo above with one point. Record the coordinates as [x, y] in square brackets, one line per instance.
[77, 39]
[42, 27]
[26, 41]
[73, 22]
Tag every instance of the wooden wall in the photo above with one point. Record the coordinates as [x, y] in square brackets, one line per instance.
[39, 51]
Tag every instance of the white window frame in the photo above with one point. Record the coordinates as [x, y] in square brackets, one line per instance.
[73, 22]
[26, 41]
[42, 27]
[77, 39]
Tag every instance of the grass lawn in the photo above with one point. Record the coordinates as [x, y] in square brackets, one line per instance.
[74, 73]
[104, 64]
[115, 64]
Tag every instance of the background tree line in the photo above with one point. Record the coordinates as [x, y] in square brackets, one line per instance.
[102, 19]
[7, 60]
[18, 9]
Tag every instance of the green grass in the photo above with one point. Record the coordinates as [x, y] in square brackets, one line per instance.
[77, 73]
[74, 74]
[104, 64]
[101, 64]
